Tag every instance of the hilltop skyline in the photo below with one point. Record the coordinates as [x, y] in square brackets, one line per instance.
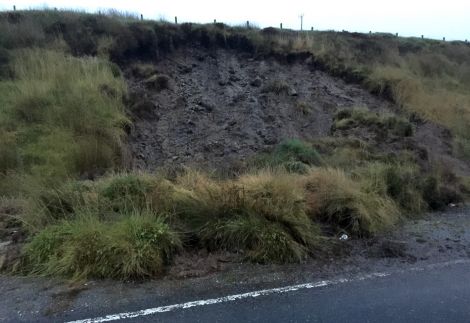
[431, 18]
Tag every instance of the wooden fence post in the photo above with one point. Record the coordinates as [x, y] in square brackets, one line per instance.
[14, 8]
[176, 20]
[141, 17]
[247, 24]
[215, 21]
[281, 25]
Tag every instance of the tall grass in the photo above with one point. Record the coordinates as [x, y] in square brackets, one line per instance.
[337, 199]
[63, 116]
[266, 216]
[136, 246]
[402, 182]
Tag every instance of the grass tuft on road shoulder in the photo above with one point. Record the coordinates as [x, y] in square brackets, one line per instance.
[136, 246]
[333, 197]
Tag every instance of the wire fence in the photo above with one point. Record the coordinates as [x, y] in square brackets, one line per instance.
[248, 24]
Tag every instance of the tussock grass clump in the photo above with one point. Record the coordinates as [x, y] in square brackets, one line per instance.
[350, 118]
[336, 199]
[262, 215]
[344, 152]
[136, 246]
[440, 190]
[401, 182]
[412, 190]
[295, 149]
[61, 202]
[130, 191]
[293, 155]
[261, 240]
[110, 196]
[124, 225]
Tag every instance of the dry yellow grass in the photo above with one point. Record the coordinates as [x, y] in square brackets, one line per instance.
[332, 196]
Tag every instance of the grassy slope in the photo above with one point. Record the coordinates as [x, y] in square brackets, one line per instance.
[62, 117]
[66, 114]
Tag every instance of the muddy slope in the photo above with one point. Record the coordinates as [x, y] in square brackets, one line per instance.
[218, 108]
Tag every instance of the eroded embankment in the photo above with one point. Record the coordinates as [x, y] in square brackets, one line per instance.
[218, 108]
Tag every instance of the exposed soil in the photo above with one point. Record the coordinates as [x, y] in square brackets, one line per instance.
[215, 109]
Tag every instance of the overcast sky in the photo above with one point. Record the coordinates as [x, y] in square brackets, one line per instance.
[434, 19]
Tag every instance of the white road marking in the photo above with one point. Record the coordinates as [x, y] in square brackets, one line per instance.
[264, 292]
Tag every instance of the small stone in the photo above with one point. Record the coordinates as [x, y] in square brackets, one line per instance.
[292, 92]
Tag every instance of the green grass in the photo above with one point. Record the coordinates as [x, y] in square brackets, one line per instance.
[266, 216]
[62, 116]
[401, 182]
[362, 117]
[261, 240]
[134, 247]
[333, 197]
[293, 155]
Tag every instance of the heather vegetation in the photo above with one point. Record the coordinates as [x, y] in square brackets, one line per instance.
[63, 159]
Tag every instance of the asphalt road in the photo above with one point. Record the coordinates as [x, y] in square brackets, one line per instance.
[426, 294]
